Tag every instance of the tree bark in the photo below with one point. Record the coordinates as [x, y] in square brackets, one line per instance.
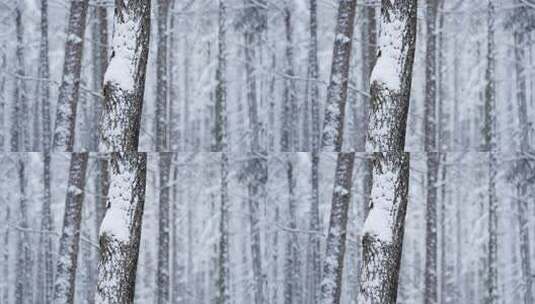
[124, 81]
[70, 236]
[120, 231]
[331, 285]
[333, 123]
[70, 83]
[390, 94]
[162, 274]
[23, 276]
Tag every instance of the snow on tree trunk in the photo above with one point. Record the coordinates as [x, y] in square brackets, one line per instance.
[124, 81]
[490, 135]
[120, 231]
[333, 265]
[333, 123]
[390, 94]
[70, 83]
[70, 236]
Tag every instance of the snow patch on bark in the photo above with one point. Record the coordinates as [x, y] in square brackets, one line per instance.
[389, 66]
[123, 63]
[380, 221]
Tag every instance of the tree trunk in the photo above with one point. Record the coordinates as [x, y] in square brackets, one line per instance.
[333, 124]
[19, 127]
[161, 121]
[120, 231]
[124, 81]
[331, 285]
[163, 229]
[313, 270]
[289, 139]
[224, 255]
[490, 136]
[390, 94]
[430, 275]
[70, 84]
[70, 236]
[23, 276]
[292, 292]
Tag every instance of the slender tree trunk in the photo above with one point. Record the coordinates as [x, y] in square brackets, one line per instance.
[224, 255]
[289, 139]
[23, 276]
[313, 272]
[70, 236]
[331, 285]
[19, 127]
[161, 121]
[390, 94]
[491, 147]
[523, 166]
[431, 285]
[163, 229]
[333, 123]
[70, 84]
[292, 276]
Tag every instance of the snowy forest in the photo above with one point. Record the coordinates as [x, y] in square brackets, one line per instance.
[267, 151]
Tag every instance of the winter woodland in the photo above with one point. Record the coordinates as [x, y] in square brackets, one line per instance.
[267, 151]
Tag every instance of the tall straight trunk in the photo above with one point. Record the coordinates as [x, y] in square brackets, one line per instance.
[120, 231]
[256, 192]
[45, 271]
[333, 123]
[221, 145]
[430, 117]
[161, 121]
[289, 138]
[292, 291]
[19, 119]
[331, 285]
[124, 81]
[5, 257]
[44, 74]
[70, 83]
[223, 284]
[313, 262]
[523, 166]
[390, 94]
[490, 136]
[3, 95]
[313, 258]
[70, 236]
[23, 276]
[162, 275]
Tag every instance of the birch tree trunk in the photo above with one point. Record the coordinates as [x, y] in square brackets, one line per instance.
[331, 285]
[333, 123]
[490, 136]
[289, 139]
[120, 231]
[70, 83]
[70, 236]
[124, 81]
[390, 94]
[124, 84]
